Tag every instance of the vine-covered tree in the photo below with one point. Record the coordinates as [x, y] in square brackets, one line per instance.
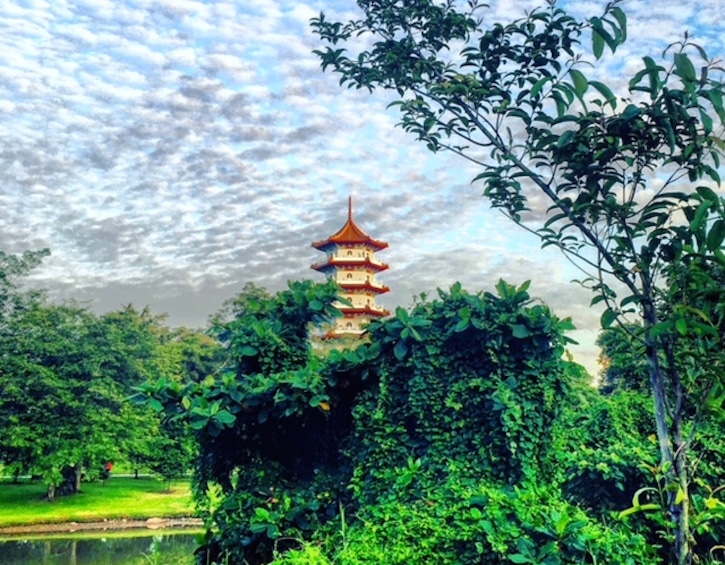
[628, 177]
[430, 442]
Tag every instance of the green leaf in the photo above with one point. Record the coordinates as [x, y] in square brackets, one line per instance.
[597, 42]
[198, 424]
[155, 405]
[536, 89]
[621, 18]
[680, 496]
[608, 317]
[604, 90]
[641, 508]
[318, 399]
[684, 68]
[580, 82]
[248, 351]
[681, 326]
[400, 350]
[700, 216]
[707, 194]
[224, 417]
[402, 314]
[716, 235]
[520, 331]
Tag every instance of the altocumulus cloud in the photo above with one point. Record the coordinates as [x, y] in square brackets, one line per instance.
[168, 151]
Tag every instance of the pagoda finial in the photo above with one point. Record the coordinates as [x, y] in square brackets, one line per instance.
[349, 208]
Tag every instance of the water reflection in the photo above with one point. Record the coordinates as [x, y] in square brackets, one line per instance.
[159, 549]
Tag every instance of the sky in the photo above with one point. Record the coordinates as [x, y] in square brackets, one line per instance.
[169, 151]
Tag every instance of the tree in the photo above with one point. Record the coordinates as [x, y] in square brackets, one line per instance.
[431, 442]
[261, 424]
[66, 378]
[13, 268]
[13, 301]
[59, 407]
[623, 361]
[616, 171]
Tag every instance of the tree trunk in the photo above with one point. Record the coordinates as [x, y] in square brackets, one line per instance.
[50, 495]
[681, 511]
[673, 464]
[77, 479]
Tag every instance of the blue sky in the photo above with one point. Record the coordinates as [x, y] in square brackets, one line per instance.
[168, 151]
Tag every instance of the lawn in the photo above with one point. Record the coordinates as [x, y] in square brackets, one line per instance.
[118, 498]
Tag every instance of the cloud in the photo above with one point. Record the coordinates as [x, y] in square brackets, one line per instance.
[170, 151]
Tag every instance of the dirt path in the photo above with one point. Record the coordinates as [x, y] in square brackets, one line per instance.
[115, 525]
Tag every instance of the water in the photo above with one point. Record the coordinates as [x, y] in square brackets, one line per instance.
[147, 549]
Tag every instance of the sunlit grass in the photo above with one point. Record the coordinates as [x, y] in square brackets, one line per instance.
[118, 498]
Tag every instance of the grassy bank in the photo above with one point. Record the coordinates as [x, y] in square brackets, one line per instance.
[118, 498]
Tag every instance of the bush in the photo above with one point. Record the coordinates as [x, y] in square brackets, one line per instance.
[461, 524]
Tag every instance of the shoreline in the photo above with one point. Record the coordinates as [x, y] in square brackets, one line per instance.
[101, 526]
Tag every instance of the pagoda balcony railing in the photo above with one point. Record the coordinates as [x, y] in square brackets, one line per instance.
[341, 260]
[371, 310]
[362, 285]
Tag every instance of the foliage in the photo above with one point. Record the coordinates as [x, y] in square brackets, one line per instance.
[265, 427]
[622, 358]
[59, 407]
[67, 377]
[462, 522]
[464, 387]
[471, 380]
[608, 451]
[627, 179]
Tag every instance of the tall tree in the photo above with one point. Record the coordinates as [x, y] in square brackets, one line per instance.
[59, 407]
[622, 358]
[14, 300]
[66, 378]
[628, 179]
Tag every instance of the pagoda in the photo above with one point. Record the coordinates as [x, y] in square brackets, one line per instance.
[351, 262]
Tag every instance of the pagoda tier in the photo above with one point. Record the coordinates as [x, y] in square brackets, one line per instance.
[334, 261]
[351, 262]
[350, 236]
[365, 287]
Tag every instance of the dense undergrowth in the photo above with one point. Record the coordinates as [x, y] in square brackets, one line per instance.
[458, 433]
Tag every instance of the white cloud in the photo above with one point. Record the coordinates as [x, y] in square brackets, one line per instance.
[170, 150]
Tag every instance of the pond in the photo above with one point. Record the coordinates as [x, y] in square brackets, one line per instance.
[167, 548]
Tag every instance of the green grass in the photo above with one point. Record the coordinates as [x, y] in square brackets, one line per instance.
[118, 498]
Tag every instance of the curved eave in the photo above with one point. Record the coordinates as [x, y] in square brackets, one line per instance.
[341, 334]
[336, 263]
[328, 243]
[353, 312]
[382, 289]
[350, 234]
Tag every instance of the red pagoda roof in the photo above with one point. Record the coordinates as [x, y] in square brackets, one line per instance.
[351, 312]
[351, 262]
[366, 286]
[350, 234]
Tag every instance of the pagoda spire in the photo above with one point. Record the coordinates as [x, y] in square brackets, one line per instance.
[349, 208]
